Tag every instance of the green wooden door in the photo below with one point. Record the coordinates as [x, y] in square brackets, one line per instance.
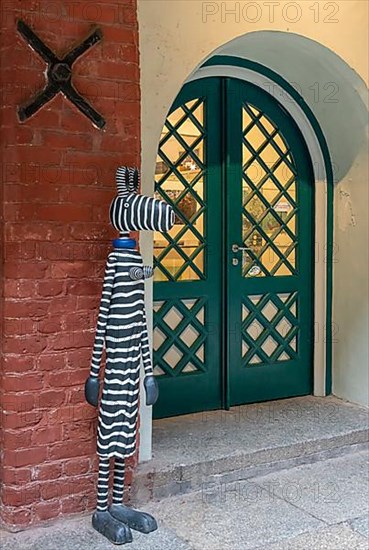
[232, 326]
[269, 184]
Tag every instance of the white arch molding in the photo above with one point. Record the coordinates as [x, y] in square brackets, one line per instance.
[321, 209]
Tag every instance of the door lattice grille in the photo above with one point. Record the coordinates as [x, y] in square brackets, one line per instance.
[180, 171]
[269, 328]
[179, 336]
[269, 198]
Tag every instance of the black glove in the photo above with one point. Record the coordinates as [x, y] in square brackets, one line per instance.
[152, 390]
[92, 387]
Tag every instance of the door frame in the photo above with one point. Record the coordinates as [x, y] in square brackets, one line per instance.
[292, 101]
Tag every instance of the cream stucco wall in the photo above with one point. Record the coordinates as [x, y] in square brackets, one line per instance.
[177, 35]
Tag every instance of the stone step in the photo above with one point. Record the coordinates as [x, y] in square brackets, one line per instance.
[196, 451]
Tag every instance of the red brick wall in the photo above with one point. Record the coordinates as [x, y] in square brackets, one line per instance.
[57, 182]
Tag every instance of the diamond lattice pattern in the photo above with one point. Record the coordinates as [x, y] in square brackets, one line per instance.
[269, 328]
[180, 170]
[269, 214]
[179, 339]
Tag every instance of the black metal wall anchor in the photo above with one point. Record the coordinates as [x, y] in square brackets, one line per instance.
[59, 75]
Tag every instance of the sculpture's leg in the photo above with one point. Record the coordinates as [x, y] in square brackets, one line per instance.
[102, 520]
[140, 521]
[118, 486]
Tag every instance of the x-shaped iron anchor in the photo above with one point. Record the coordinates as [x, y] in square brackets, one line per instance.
[59, 75]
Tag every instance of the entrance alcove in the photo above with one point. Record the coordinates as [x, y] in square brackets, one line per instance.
[327, 101]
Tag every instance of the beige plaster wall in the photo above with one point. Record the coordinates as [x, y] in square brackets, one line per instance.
[176, 36]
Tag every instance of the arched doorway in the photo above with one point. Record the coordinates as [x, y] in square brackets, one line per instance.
[298, 71]
[233, 294]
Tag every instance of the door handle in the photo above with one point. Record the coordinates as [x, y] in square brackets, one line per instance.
[236, 248]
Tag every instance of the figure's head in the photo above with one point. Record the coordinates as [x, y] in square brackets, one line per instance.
[132, 212]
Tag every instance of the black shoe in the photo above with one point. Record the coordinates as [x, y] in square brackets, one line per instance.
[113, 530]
[139, 521]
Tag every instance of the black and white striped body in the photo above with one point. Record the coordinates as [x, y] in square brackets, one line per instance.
[122, 329]
[122, 332]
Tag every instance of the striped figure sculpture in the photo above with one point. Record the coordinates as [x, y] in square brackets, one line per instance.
[122, 331]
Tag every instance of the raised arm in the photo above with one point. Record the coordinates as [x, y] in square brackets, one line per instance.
[92, 383]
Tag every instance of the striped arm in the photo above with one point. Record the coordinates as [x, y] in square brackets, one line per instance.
[137, 273]
[145, 348]
[103, 316]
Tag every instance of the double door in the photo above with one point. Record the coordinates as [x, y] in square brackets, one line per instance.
[233, 286]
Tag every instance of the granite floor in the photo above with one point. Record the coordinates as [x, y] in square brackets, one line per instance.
[318, 506]
[255, 428]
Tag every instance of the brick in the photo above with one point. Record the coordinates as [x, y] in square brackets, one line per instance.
[16, 363]
[75, 396]
[34, 231]
[47, 472]
[46, 436]
[20, 497]
[120, 35]
[111, 143]
[24, 136]
[75, 503]
[37, 193]
[51, 362]
[89, 303]
[45, 118]
[74, 251]
[53, 489]
[63, 304]
[107, 161]
[71, 413]
[16, 476]
[50, 325]
[64, 141]
[25, 308]
[76, 466]
[109, 13]
[79, 320]
[69, 449]
[92, 195]
[19, 289]
[17, 440]
[80, 431]
[70, 340]
[19, 327]
[49, 289]
[26, 419]
[84, 288]
[35, 155]
[22, 383]
[91, 232]
[14, 517]
[48, 399]
[110, 70]
[25, 270]
[19, 251]
[62, 379]
[64, 212]
[74, 121]
[18, 402]
[119, 52]
[47, 510]
[79, 270]
[25, 457]
[27, 345]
